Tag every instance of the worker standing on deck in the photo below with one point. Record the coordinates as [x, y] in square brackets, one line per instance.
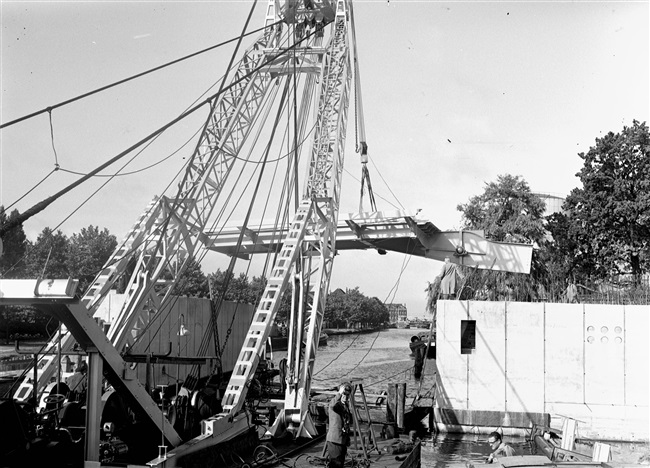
[498, 447]
[338, 432]
[448, 279]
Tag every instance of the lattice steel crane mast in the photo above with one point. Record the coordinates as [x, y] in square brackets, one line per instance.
[170, 231]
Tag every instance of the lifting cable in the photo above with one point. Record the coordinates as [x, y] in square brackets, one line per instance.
[359, 122]
[37, 208]
[204, 344]
[177, 201]
[104, 88]
[218, 301]
[206, 338]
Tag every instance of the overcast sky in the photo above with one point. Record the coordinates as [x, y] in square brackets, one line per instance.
[455, 93]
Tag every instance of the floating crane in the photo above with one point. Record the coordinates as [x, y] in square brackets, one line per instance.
[298, 75]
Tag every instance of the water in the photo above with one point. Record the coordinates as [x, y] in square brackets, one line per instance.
[457, 450]
[378, 358]
[383, 357]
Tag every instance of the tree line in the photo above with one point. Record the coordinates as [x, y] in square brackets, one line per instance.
[343, 309]
[597, 245]
[51, 255]
[82, 255]
[599, 242]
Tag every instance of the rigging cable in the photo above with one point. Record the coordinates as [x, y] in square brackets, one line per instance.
[185, 177]
[385, 199]
[31, 189]
[359, 123]
[395, 286]
[387, 186]
[205, 339]
[37, 208]
[104, 88]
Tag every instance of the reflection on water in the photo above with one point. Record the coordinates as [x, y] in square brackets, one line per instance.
[378, 358]
[381, 358]
[456, 450]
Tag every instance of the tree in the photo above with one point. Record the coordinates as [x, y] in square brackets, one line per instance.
[14, 242]
[507, 211]
[88, 251]
[47, 257]
[610, 215]
[335, 309]
[352, 307]
[192, 281]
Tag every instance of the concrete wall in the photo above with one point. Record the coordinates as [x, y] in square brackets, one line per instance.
[586, 361]
[162, 334]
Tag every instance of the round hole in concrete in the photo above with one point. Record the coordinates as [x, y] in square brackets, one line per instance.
[604, 339]
[604, 330]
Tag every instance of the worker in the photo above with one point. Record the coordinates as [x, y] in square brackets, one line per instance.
[419, 351]
[498, 447]
[448, 279]
[77, 383]
[338, 432]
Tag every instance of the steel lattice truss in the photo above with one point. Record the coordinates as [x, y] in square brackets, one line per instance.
[173, 230]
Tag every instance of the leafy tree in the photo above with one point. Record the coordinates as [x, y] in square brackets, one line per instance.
[47, 257]
[507, 211]
[88, 251]
[609, 227]
[193, 282]
[14, 242]
[335, 309]
[352, 307]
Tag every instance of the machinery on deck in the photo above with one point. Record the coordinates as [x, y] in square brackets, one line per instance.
[299, 71]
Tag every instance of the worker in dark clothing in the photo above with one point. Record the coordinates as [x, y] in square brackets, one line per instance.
[498, 447]
[419, 350]
[338, 432]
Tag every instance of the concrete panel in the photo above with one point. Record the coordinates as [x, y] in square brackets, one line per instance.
[604, 366]
[452, 366]
[525, 357]
[637, 355]
[487, 364]
[563, 355]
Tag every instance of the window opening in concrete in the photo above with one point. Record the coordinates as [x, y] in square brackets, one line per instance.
[467, 336]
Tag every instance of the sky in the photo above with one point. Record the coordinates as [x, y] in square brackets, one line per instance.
[454, 94]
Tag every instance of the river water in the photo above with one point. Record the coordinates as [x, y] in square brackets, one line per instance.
[378, 358]
[381, 358]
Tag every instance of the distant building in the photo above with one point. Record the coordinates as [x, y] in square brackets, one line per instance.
[553, 202]
[397, 312]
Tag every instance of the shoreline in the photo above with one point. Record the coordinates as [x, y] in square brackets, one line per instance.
[351, 331]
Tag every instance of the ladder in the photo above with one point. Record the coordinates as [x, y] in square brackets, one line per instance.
[260, 327]
[357, 385]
